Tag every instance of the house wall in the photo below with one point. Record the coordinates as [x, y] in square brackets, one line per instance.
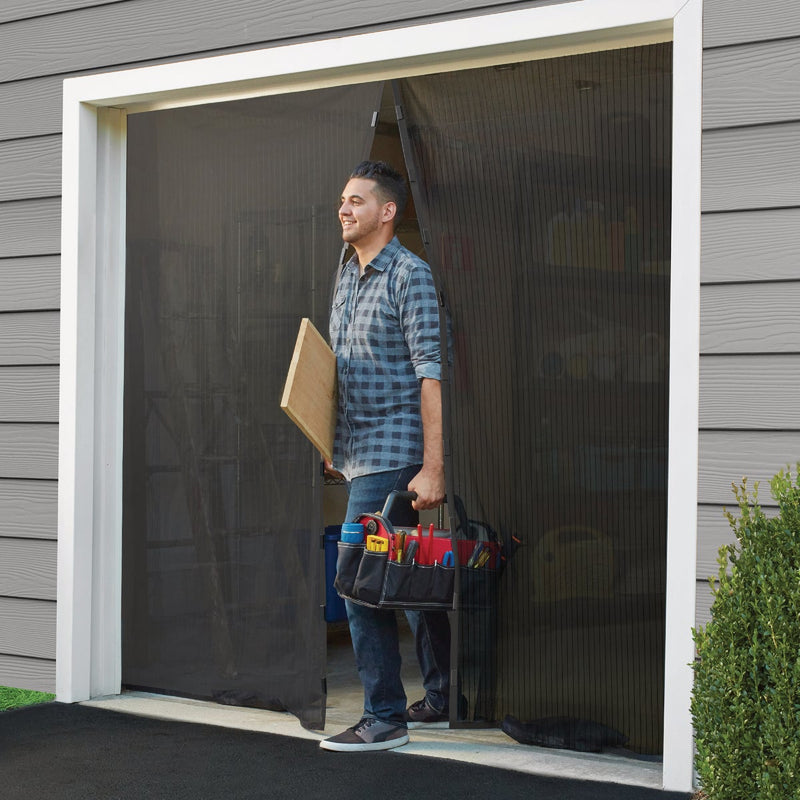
[750, 268]
[41, 43]
[750, 341]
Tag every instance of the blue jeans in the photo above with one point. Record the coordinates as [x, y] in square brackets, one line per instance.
[374, 631]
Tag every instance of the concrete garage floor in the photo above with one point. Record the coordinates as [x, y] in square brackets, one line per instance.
[345, 703]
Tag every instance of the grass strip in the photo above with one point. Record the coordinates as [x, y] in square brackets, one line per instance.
[17, 698]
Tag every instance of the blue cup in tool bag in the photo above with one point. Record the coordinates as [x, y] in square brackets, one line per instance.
[353, 532]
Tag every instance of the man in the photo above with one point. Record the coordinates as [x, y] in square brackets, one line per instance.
[384, 328]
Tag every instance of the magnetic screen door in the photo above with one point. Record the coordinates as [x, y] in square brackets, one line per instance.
[548, 191]
[232, 237]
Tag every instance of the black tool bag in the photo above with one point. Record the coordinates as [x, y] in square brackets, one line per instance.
[394, 579]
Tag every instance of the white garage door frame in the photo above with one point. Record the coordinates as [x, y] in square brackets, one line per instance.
[93, 280]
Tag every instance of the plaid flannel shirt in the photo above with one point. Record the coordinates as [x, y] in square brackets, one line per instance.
[384, 330]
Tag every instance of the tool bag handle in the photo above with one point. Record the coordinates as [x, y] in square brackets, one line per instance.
[396, 495]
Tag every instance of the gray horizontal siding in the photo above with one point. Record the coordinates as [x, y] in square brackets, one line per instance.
[29, 338]
[750, 335]
[751, 85]
[28, 569]
[716, 533]
[27, 627]
[30, 284]
[28, 451]
[753, 392]
[30, 168]
[150, 29]
[751, 246]
[24, 9]
[28, 673]
[728, 456]
[750, 318]
[726, 22]
[702, 614]
[29, 509]
[30, 108]
[29, 394]
[30, 228]
[749, 168]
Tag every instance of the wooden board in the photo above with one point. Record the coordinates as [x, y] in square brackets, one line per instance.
[310, 393]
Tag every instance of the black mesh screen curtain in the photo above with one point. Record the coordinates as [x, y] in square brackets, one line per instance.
[548, 192]
[232, 238]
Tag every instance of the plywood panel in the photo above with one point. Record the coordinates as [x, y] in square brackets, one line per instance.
[748, 168]
[30, 284]
[751, 85]
[750, 392]
[726, 22]
[750, 318]
[29, 509]
[728, 456]
[29, 451]
[30, 228]
[29, 394]
[28, 569]
[27, 627]
[29, 337]
[28, 673]
[30, 168]
[751, 246]
[310, 394]
[148, 29]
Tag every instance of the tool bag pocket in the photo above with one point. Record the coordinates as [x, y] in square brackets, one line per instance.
[479, 588]
[441, 591]
[417, 586]
[397, 583]
[347, 563]
[368, 584]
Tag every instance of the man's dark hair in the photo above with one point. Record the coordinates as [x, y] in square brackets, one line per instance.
[389, 184]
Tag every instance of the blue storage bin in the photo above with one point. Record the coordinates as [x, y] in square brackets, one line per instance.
[334, 605]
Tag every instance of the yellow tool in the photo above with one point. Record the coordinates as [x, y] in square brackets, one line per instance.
[377, 544]
[400, 546]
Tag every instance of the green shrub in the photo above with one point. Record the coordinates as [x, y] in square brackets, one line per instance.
[746, 699]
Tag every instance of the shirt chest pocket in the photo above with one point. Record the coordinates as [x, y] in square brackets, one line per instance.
[337, 312]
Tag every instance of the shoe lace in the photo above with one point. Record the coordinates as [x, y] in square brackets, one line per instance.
[364, 723]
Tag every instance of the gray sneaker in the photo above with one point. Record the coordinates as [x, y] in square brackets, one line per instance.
[422, 715]
[368, 734]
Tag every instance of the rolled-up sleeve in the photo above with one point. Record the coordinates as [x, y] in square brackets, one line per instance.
[419, 321]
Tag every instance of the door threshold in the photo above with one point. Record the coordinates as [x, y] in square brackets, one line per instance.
[486, 747]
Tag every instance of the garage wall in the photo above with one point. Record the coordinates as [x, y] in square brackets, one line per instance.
[41, 43]
[750, 335]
